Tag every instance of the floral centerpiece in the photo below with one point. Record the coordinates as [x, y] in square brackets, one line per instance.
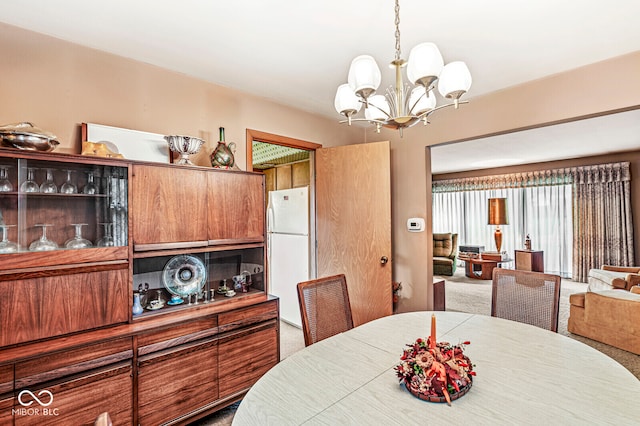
[435, 372]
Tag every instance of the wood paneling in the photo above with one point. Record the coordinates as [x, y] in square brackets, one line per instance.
[178, 381]
[300, 174]
[66, 363]
[283, 177]
[45, 307]
[353, 199]
[246, 356]
[6, 379]
[6, 404]
[169, 204]
[236, 206]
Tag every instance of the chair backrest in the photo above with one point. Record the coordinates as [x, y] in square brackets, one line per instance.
[324, 308]
[528, 297]
[444, 244]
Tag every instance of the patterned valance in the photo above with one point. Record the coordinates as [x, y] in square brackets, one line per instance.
[610, 172]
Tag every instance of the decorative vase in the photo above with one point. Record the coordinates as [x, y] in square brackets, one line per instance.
[137, 306]
[222, 155]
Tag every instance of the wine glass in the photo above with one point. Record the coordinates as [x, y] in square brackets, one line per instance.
[30, 184]
[5, 183]
[69, 187]
[43, 243]
[77, 242]
[49, 186]
[7, 246]
[90, 187]
[107, 240]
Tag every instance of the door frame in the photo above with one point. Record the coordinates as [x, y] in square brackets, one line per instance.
[259, 136]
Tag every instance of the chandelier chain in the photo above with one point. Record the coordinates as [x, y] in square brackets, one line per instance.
[397, 23]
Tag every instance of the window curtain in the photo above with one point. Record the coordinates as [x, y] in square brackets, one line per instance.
[538, 204]
[603, 224]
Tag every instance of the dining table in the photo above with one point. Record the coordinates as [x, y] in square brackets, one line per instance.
[524, 375]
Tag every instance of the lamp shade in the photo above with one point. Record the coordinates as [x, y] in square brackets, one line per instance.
[378, 108]
[425, 63]
[420, 101]
[498, 211]
[364, 76]
[346, 101]
[455, 80]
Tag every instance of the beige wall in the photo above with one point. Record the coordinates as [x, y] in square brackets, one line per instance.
[595, 89]
[58, 85]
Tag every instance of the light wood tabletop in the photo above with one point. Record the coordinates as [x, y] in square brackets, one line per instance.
[525, 375]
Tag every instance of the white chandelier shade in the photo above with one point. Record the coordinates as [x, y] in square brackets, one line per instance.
[364, 76]
[455, 80]
[425, 64]
[378, 109]
[402, 106]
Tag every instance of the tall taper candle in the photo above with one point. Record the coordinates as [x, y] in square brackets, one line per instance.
[433, 331]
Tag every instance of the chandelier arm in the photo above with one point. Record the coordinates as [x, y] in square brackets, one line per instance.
[363, 119]
[381, 110]
[428, 113]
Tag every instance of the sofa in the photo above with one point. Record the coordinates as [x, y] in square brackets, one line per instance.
[607, 316]
[613, 277]
[445, 253]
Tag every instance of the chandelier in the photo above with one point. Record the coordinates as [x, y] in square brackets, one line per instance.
[402, 106]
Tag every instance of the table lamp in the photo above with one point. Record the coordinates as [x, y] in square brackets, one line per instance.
[498, 216]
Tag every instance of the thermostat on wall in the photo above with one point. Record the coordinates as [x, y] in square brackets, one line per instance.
[415, 224]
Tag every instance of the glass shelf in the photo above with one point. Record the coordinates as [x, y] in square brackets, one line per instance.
[106, 201]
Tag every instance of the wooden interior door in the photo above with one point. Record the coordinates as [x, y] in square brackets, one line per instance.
[353, 214]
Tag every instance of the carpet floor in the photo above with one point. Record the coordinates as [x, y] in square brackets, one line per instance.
[462, 294]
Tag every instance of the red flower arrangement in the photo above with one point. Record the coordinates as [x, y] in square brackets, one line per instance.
[435, 372]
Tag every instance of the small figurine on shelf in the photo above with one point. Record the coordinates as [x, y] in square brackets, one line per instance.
[527, 243]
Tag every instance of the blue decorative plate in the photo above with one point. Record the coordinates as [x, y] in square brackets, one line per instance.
[184, 275]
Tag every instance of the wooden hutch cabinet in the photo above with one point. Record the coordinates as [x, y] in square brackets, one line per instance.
[72, 262]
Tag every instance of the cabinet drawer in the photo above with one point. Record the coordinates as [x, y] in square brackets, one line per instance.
[79, 401]
[6, 379]
[6, 404]
[178, 334]
[72, 362]
[244, 317]
[41, 307]
[177, 381]
[246, 355]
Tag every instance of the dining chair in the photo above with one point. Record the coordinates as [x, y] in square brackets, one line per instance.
[527, 297]
[324, 308]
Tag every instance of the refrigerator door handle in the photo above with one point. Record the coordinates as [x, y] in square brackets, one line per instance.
[270, 218]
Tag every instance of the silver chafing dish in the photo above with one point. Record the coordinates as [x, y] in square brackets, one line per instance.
[28, 137]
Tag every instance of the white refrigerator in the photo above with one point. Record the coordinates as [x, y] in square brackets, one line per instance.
[288, 248]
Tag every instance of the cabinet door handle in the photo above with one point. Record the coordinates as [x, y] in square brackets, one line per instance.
[384, 260]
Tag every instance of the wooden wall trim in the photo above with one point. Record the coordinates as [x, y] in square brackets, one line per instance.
[257, 135]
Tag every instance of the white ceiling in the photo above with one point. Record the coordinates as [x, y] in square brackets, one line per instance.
[297, 52]
[594, 136]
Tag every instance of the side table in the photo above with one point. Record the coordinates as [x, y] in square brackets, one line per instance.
[530, 260]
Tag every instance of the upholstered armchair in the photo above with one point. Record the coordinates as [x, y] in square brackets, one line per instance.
[445, 253]
[613, 277]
